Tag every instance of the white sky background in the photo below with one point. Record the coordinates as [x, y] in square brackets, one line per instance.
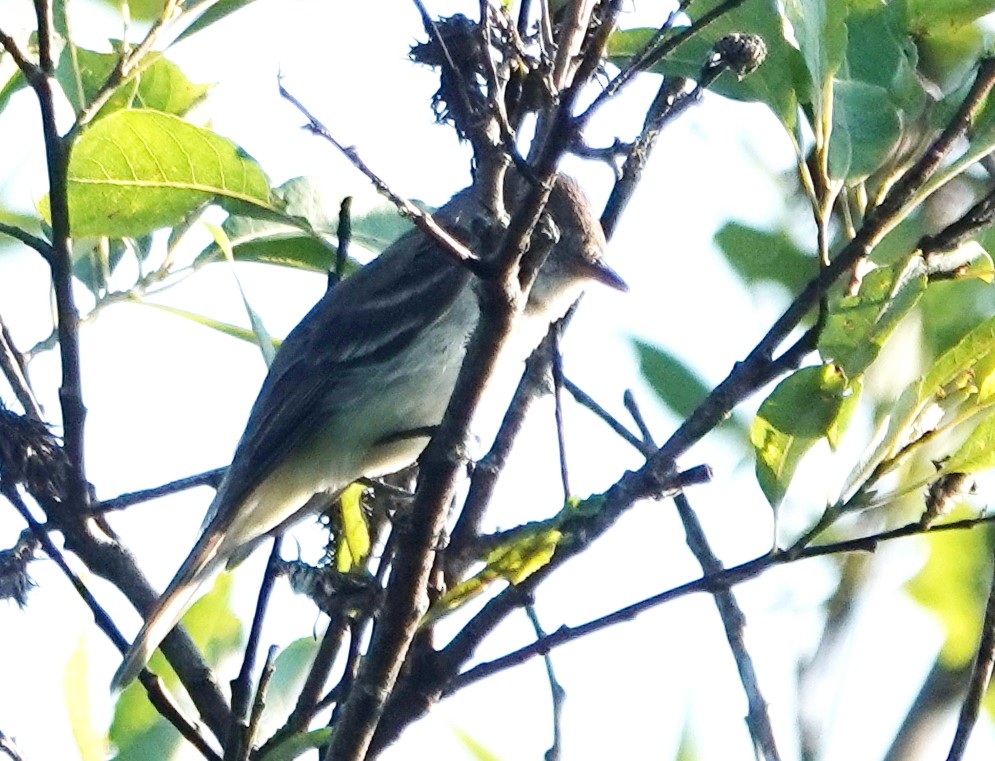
[168, 398]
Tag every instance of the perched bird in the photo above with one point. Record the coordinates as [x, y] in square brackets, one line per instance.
[358, 385]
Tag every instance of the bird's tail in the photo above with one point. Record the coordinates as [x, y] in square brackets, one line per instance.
[167, 611]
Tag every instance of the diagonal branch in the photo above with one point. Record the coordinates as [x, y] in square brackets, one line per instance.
[981, 675]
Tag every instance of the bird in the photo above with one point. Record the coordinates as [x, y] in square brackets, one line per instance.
[358, 385]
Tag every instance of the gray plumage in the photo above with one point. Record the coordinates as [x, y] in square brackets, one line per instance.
[376, 357]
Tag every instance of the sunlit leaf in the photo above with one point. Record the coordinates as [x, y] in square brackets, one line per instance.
[160, 85]
[293, 233]
[263, 339]
[926, 16]
[513, 561]
[136, 171]
[137, 726]
[977, 452]
[474, 748]
[298, 744]
[978, 343]
[858, 326]
[91, 743]
[227, 328]
[953, 585]
[354, 542]
[951, 370]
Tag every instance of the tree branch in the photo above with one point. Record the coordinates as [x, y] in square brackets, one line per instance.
[981, 674]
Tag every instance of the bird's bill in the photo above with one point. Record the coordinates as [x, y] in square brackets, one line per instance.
[600, 272]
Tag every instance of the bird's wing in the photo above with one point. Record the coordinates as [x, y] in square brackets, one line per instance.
[365, 319]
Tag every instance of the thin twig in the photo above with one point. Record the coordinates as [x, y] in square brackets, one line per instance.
[585, 400]
[269, 667]
[13, 368]
[669, 102]
[207, 478]
[632, 407]
[57, 160]
[130, 64]
[240, 737]
[31, 241]
[423, 221]
[658, 52]
[488, 469]
[981, 675]
[309, 697]
[730, 577]
[9, 747]
[343, 237]
[557, 693]
[734, 623]
[759, 367]
[561, 438]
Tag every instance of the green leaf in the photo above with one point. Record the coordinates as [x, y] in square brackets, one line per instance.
[214, 628]
[474, 747]
[867, 128]
[136, 171]
[514, 560]
[380, 227]
[880, 52]
[778, 455]
[858, 326]
[959, 359]
[820, 32]
[227, 328]
[765, 256]
[802, 408]
[953, 369]
[839, 424]
[294, 236]
[91, 743]
[255, 241]
[137, 730]
[776, 83]
[289, 672]
[977, 452]
[297, 745]
[926, 17]
[14, 84]
[677, 386]
[949, 57]
[952, 584]
[213, 14]
[263, 339]
[161, 85]
[139, 10]
[807, 402]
